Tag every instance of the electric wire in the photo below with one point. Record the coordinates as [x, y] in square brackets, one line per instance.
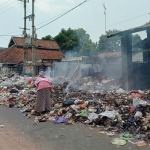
[63, 14]
[50, 19]
[122, 22]
[9, 8]
[4, 3]
[10, 35]
[8, 5]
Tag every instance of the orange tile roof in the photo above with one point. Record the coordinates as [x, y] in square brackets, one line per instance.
[14, 54]
[43, 43]
[110, 54]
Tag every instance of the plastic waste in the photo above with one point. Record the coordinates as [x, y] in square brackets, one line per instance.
[110, 114]
[120, 91]
[83, 113]
[141, 143]
[110, 133]
[68, 102]
[118, 141]
[92, 116]
[7, 83]
[126, 136]
[1, 126]
[92, 110]
[143, 103]
[61, 119]
[74, 107]
[138, 115]
[36, 121]
[136, 101]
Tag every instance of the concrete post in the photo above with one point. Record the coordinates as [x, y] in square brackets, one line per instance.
[126, 51]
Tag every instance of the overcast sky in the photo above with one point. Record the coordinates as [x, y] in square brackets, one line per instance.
[89, 16]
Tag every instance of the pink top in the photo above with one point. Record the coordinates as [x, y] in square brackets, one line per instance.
[43, 84]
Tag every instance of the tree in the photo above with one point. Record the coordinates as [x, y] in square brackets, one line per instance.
[109, 44]
[48, 37]
[88, 48]
[135, 38]
[85, 45]
[67, 40]
[114, 43]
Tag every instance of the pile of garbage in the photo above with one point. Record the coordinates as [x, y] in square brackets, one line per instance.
[114, 110]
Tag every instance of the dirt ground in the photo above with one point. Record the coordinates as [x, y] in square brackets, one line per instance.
[11, 140]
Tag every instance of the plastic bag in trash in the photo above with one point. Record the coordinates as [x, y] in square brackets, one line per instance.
[68, 102]
[61, 119]
[83, 113]
[110, 114]
[7, 83]
[136, 101]
[138, 115]
[92, 116]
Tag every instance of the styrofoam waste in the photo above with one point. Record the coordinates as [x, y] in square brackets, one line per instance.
[1, 126]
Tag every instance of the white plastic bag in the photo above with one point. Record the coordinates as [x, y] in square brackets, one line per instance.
[110, 114]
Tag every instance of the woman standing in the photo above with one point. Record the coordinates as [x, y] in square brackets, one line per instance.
[43, 86]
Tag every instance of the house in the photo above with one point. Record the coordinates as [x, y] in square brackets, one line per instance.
[2, 48]
[45, 51]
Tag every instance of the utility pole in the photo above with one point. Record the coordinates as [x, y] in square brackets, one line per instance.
[25, 34]
[33, 44]
[105, 15]
[25, 23]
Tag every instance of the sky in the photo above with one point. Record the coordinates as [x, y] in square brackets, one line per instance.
[121, 15]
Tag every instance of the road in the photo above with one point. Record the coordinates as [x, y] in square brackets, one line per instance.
[20, 133]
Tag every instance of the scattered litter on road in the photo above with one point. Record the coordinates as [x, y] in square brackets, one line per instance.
[1, 126]
[141, 143]
[118, 141]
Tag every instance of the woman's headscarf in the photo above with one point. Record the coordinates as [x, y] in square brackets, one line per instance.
[41, 77]
[42, 74]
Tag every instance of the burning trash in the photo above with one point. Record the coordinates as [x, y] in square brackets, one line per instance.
[84, 101]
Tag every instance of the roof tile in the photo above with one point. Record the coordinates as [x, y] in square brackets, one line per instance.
[14, 54]
[110, 54]
[42, 43]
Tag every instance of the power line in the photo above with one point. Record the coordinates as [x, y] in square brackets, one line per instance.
[4, 3]
[8, 5]
[123, 21]
[9, 8]
[63, 14]
[50, 19]
[9, 35]
[28, 9]
[12, 32]
[4, 38]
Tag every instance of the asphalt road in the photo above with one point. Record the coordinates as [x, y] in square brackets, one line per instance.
[50, 136]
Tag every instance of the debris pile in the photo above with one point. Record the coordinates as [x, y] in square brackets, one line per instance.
[83, 101]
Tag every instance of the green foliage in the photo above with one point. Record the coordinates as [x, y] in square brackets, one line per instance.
[85, 45]
[135, 38]
[48, 37]
[109, 44]
[67, 40]
[74, 41]
[79, 42]
[114, 43]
